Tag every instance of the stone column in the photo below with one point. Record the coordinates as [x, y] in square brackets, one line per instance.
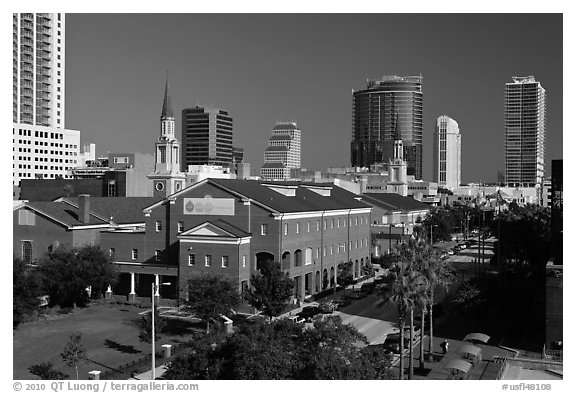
[132, 294]
[302, 288]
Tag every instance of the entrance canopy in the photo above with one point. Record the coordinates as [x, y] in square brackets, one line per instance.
[468, 349]
[477, 337]
[458, 364]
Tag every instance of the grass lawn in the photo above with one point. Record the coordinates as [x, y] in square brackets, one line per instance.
[109, 334]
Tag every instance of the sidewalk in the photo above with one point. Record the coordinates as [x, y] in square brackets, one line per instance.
[160, 370]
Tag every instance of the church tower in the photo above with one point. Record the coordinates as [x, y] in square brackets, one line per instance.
[397, 167]
[167, 178]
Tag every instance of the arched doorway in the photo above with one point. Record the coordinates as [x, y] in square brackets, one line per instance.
[355, 269]
[298, 258]
[359, 267]
[317, 282]
[263, 257]
[285, 265]
[332, 276]
[325, 279]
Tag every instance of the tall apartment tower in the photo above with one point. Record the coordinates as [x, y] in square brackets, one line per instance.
[283, 152]
[447, 153]
[207, 136]
[373, 122]
[167, 177]
[525, 122]
[42, 146]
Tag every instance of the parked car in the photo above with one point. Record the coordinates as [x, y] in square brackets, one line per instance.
[309, 312]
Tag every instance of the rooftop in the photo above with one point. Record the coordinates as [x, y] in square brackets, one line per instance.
[394, 201]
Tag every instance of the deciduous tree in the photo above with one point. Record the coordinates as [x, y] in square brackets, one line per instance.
[270, 289]
[74, 353]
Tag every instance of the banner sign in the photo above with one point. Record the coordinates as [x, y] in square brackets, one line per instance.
[209, 206]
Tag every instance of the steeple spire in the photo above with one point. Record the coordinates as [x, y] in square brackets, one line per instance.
[167, 104]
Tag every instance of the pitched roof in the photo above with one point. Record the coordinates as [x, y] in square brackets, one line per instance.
[167, 104]
[394, 201]
[64, 213]
[123, 210]
[304, 199]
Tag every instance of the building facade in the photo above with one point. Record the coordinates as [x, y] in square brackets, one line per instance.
[283, 152]
[373, 122]
[525, 131]
[42, 146]
[207, 137]
[447, 153]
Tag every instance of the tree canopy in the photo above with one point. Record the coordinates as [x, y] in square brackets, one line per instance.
[66, 273]
[270, 289]
[26, 285]
[283, 350]
[210, 296]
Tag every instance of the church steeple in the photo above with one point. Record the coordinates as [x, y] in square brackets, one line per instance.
[398, 145]
[167, 104]
[167, 117]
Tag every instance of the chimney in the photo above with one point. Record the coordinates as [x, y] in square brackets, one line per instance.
[84, 208]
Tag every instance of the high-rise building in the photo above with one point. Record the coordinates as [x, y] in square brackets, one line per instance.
[42, 146]
[525, 122]
[167, 177]
[373, 125]
[207, 135]
[447, 153]
[283, 152]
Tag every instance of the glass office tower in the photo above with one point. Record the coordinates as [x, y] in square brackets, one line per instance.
[374, 111]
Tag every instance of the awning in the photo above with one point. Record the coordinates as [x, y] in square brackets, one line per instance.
[479, 337]
[469, 349]
[458, 364]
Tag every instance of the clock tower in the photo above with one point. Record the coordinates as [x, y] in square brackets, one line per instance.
[167, 177]
[397, 179]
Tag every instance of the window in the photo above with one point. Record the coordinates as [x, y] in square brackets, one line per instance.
[225, 260]
[134, 254]
[331, 249]
[325, 224]
[243, 260]
[317, 225]
[208, 260]
[285, 229]
[332, 224]
[27, 251]
[297, 227]
[111, 252]
[180, 227]
[157, 255]
[263, 229]
[318, 252]
[191, 259]
[355, 220]
[26, 217]
[158, 226]
[344, 247]
[356, 244]
[324, 251]
[338, 223]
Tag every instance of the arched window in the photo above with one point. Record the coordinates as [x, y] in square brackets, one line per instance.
[285, 261]
[298, 258]
[27, 251]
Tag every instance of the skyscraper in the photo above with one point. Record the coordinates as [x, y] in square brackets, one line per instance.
[525, 122]
[207, 135]
[447, 153]
[373, 124]
[283, 152]
[42, 146]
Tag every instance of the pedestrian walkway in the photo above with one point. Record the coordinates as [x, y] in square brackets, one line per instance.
[160, 370]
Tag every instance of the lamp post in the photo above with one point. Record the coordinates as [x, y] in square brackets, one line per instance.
[431, 234]
[154, 289]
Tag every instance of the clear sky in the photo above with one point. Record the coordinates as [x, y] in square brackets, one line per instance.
[267, 67]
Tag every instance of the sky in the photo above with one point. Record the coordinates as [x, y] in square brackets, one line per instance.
[264, 68]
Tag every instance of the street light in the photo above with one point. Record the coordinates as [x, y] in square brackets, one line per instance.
[154, 289]
[431, 233]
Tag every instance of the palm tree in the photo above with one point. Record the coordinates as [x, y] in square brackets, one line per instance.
[438, 274]
[406, 290]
